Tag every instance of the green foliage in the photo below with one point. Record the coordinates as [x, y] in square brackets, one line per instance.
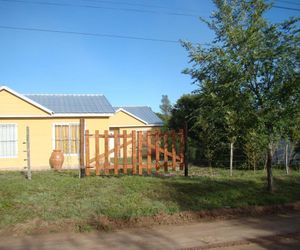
[248, 79]
[255, 148]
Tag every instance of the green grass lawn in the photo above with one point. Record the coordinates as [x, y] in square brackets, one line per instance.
[59, 196]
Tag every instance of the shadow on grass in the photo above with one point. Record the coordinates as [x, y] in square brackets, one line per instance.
[205, 193]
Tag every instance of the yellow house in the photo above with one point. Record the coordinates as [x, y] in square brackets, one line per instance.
[54, 122]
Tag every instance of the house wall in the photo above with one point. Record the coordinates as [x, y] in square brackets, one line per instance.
[42, 133]
[13, 105]
[123, 119]
[41, 141]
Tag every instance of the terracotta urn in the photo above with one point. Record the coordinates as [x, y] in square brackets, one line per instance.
[56, 159]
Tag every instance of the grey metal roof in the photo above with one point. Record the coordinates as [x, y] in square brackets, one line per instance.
[73, 104]
[144, 113]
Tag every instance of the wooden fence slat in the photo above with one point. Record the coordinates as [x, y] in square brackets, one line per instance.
[140, 152]
[173, 150]
[166, 151]
[133, 151]
[124, 151]
[97, 152]
[106, 155]
[158, 142]
[129, 142]
[87, 153]
[149, 164]
[157, 150]
[116, 152]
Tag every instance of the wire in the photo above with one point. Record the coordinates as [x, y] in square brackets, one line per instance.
[88, 34]
[288, 2]
[99, 7]
[138, 4]
[285, 8]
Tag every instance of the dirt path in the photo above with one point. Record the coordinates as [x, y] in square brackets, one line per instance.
[267, 232]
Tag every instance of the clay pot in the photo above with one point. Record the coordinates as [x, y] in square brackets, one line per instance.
[56, 159]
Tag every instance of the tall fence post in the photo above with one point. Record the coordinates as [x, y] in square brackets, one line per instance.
[81, 149]
[166, 151]
[87, 153]
[140, 152]
[28, 153]
[97, 152]
[149, 164]
[133, 133]
[231, 158]
[124, 151]
[106, 149]
[157, 153]
[173, 150]
[116, 152]
[186, 166]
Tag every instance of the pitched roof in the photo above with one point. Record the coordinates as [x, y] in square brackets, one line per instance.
[142, 113]
[73, 104]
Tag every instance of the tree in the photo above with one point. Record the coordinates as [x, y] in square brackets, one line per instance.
[165, 107]
[255, 64]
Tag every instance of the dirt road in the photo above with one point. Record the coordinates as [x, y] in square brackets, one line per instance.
[266, 232]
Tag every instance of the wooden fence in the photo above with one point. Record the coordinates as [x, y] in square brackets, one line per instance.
[136, 152]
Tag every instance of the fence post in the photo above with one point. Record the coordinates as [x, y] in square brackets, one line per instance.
[173, 150]
[28, 153]
[166, 151]
[87, 152]
[97, 152]
[133, 151]
[125, 151]
[106, 162]
[149, 164]
[140, 152]
[81, 149]
[186, 166]
[231, 158]
[157, 148]
[116, 152]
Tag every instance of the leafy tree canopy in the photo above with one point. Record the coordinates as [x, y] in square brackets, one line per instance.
[249, 76]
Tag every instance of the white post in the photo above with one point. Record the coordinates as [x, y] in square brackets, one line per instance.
[231, 157]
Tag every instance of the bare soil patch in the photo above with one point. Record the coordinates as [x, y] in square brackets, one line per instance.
[104, 223]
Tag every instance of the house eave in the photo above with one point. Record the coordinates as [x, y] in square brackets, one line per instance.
[135, 126]
[88, 115]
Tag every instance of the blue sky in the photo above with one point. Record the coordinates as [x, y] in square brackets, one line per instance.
[127, 72]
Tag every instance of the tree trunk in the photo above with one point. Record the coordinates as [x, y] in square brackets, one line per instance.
[210, 166]
[231, 157]
[266, 161]
[254, 164]
[287, 158]
[269, 169]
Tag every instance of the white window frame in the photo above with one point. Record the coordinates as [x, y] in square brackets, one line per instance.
[64, 124]
[16, 141]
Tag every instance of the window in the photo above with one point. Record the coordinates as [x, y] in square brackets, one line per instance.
[66, 137]
[8, 141]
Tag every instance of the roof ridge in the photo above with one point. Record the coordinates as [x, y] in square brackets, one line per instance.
[63, 94]
[136, 106]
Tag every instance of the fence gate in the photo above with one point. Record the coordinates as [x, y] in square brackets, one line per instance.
[135, 152]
